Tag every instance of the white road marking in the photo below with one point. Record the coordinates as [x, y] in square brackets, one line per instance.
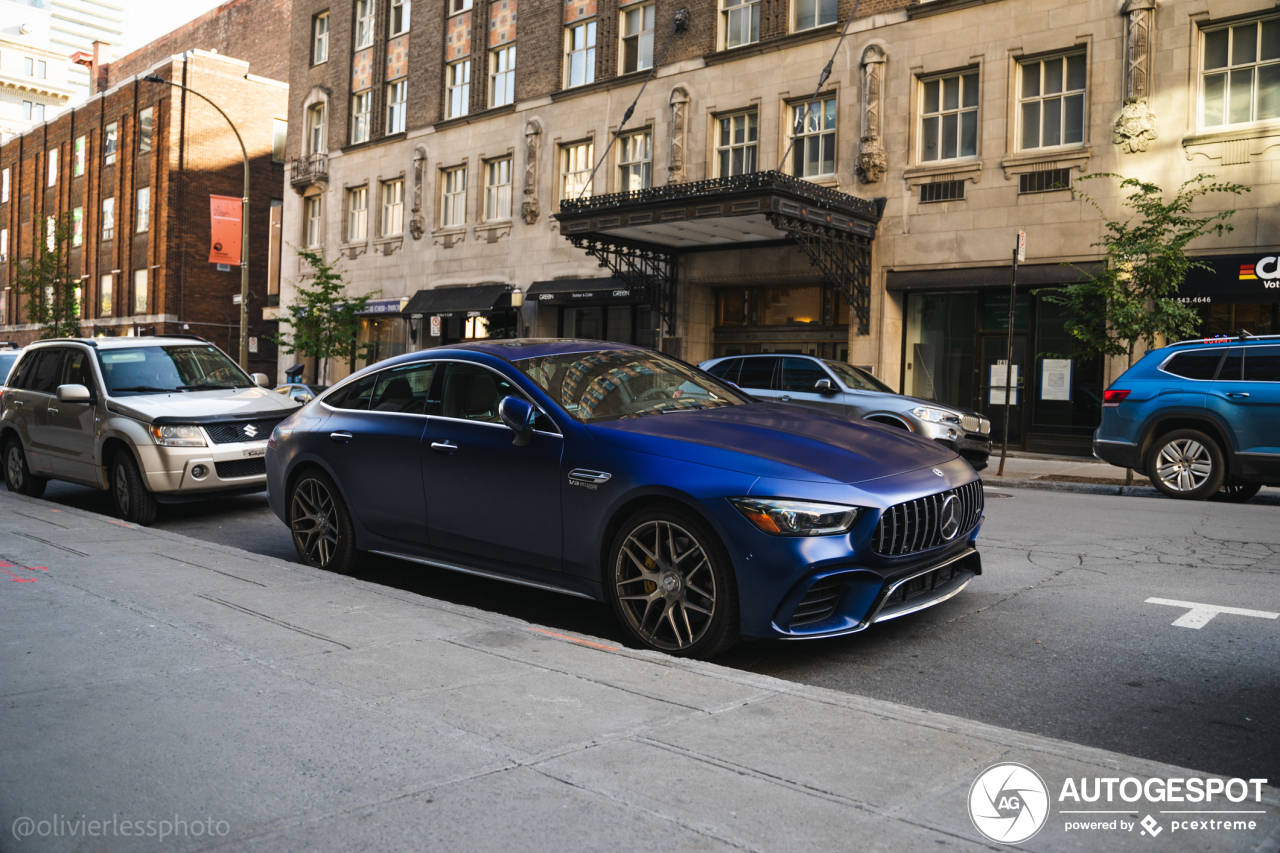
[1198, 615]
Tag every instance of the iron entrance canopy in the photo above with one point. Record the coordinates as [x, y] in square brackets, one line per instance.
[638, 235]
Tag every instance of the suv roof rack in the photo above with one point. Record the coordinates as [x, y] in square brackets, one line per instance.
[1238, 335]
[85, 341]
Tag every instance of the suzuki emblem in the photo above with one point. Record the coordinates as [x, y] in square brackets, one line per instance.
[251, 430]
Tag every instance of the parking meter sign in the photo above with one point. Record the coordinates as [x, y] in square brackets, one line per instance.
[435, 327]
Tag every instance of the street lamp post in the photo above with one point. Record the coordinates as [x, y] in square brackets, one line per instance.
[244, 221]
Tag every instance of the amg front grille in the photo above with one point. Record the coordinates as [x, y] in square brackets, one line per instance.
[819, 602]
[924, 523]
[241, 468]
[230, 433]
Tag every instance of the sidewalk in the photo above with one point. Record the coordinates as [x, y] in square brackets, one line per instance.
[1076, 474]
[152, 677]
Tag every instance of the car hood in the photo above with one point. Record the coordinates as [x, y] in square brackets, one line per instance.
[204, 406]
[903, 403]
[776, 440]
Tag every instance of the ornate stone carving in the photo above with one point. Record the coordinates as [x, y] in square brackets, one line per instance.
[529, 208]
[872, 161]
[1136, 127]
[418, 222]
[679, 120]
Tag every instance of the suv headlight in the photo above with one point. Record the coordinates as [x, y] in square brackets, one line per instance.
[796, 518]
[937, 416]
[178, 436]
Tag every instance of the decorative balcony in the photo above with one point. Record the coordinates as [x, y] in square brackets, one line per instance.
[309, 171]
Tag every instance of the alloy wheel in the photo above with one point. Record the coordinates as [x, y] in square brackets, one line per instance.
[1184, 465]
[13, 467]
[313, 522]
[665, 585]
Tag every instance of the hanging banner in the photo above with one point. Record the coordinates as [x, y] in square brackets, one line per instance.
[225, 231]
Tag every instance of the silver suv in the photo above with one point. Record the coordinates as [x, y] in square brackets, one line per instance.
[155, 420]
[844, 389]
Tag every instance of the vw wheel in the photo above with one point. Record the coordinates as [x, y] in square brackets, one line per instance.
[1186, 463]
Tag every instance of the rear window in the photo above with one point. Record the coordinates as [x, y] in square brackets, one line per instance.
[1197, 364]
[7, 360]
[1262, 364]
[757, 373]
[726, 370]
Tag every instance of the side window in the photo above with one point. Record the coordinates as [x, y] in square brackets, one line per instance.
[757, 373]
[403, 389]
[1231, 365]
[22, 373]
[354, 396]
[800, 375]
[1262, 364]
[76, 370]
[727, 370]
[472, 393]
[1198, 364]
[45, 377]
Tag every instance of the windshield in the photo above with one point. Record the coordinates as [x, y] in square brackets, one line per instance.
[857, 379]
[6, 364]
[605, 386]
[152, 370]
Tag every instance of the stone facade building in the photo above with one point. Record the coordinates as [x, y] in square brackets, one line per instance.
[447, 155]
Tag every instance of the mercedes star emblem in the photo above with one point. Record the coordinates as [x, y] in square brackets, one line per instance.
[949, 518]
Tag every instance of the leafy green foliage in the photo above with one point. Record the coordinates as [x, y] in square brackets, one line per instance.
[325, 321]
[52, 295]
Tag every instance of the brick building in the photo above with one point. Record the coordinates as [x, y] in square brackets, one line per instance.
[449, 173]
[134, 168]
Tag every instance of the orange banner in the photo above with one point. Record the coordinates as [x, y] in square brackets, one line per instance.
[225, 248]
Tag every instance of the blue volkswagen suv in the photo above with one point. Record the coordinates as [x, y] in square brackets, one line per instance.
[616, 473]
[1198, 417]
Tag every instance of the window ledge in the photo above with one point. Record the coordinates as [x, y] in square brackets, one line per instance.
[951, 170]
[493, 230]
[387, 245]
[599, 85]
[458, 121]
[782, 42]
[1051, 158]
[1233, 146]
[353, 250]
[449, 237]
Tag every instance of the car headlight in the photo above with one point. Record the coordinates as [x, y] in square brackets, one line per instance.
[178, 436]
[937, 416]
[796, 518]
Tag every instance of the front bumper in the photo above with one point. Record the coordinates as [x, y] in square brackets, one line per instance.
[226, 467]
[973, 446]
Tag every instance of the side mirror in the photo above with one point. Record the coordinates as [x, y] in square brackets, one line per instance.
[260, 379]
[518, 415]
[824, 386]
[74, 394]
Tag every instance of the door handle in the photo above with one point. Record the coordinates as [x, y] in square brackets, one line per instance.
[1237, 394]
[445, 446]
[18, 403]
[785, 398]
[53, 411]
[342, 437]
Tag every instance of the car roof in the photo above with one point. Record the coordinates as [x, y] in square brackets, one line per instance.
[515, 349]
[1219, 340]
[127, 341]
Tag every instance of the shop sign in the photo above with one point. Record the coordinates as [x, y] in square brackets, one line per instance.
[1251, 278]
[382, 306]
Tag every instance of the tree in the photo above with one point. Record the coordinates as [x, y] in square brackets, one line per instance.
[1134, 297]
[324, 319]
[52, 295]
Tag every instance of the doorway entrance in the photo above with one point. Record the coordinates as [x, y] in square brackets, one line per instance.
[993, 378]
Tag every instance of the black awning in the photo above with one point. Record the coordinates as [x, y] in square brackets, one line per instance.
[468, 300]
[579, 291]
[1249, 279]
[1029, 275]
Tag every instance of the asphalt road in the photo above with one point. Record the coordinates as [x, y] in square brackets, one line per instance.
[1055, 638]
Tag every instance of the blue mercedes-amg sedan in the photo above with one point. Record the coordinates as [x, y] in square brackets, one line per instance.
[620, 474]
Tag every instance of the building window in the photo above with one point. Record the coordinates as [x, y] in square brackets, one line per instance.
[637, 38]
[50, 236]
[357, 214]
[315, 129]
[364, 24]
[741, 22]
[78, 157]
[77, 226]
[453, 197]
[580, 54]
[397, 94]
[814, 13]
[144, 209]
[104, 295]
[108, 218]
[502, 76]
[42, 70]
[635, 161]
[4, 250]
[942, 191]
[497, 189]
[1051, 102]
[814, 153]
[360, 116]
[458, 88]
[109, 144]
[575, 169]
[320, 38]
[949, 117]
[1241, 77]
[279, 136]
[392, 208]
[139, 291]
[456, 6]
[144, 129]
[314, 222]
[399, 16]
[736, 145]
[4, 186]
[32, 111]
[52, 172]
[1048, 181]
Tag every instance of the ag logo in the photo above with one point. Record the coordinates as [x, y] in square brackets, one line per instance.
[1008, 803]
[949, 518]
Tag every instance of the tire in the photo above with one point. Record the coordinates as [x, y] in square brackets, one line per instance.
[17, 476]
[686, 607]
[129, 493]
[1237, 493]
[320, 525]
[1187, 464]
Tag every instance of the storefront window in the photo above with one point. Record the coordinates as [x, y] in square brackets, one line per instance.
[791, 306]
[1067, 397]
[384, 336]
[1225, 318]
[614, 323]
[942, 340]
[735, 307]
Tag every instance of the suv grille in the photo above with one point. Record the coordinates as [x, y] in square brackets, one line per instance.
[819, 602]
[241, 468]
[971, 423]
[229, 433]
[914, 526]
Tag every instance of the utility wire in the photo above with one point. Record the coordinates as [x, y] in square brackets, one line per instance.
[822, 81]
[679, 26]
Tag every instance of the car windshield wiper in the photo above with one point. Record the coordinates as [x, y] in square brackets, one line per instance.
[210, 387]
[144, 388]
